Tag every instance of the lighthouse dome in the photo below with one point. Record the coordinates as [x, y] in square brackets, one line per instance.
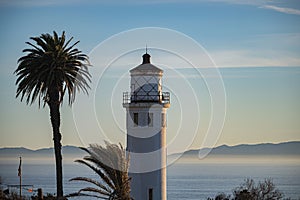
[146, 67]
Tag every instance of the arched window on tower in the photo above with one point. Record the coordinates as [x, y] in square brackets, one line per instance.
[136, 119]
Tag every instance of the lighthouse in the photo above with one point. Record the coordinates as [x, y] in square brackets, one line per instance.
[146, 105]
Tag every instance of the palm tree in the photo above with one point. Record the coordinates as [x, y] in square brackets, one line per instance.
[111, 164]
[50, 68]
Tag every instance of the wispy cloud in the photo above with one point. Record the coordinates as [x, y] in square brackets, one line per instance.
[248, 58]
[291, 11]
[261, 50]
[266, 4]
[115, 2]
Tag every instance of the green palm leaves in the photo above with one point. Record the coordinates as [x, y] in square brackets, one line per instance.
[111, 165]
[51, 62]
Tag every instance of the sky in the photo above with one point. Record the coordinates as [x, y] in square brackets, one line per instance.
[232, 68]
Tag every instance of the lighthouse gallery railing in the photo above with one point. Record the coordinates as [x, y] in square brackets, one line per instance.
[163, 97]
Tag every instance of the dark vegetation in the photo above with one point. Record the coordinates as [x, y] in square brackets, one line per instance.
[111, 164]
[249, 190]
[52, 67]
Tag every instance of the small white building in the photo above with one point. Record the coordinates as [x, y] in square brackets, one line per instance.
[146, 107]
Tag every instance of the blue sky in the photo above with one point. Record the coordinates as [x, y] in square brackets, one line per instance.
[255, 44]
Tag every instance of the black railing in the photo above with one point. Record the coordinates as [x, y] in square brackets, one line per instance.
[163, 97]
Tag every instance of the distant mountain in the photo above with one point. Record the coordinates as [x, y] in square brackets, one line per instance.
[286, 148]
[45, 152]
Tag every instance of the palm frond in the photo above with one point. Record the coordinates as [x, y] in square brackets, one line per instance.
[98, 171]
[76, 194]
[52, 62]
[91, 181]
[111, 164]
[91, 189]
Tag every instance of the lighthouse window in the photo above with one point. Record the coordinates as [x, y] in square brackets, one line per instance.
[163, 119]
[150, 119]
[150, 194]
[136, 119]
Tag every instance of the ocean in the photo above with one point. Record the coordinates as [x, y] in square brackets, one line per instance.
[185, 180]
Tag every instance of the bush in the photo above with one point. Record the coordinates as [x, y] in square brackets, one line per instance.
[265, 190]
[248, 190]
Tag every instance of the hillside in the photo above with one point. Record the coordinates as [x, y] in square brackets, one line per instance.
[44, 152]
[286, 148]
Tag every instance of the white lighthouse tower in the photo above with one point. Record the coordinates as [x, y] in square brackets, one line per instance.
[146, 107]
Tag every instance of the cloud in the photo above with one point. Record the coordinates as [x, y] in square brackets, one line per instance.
[258, 58]
[266, 4]
[291, 11]
[39, 3]
[261, 50]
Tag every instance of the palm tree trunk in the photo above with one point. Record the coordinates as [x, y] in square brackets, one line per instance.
[55, 121]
